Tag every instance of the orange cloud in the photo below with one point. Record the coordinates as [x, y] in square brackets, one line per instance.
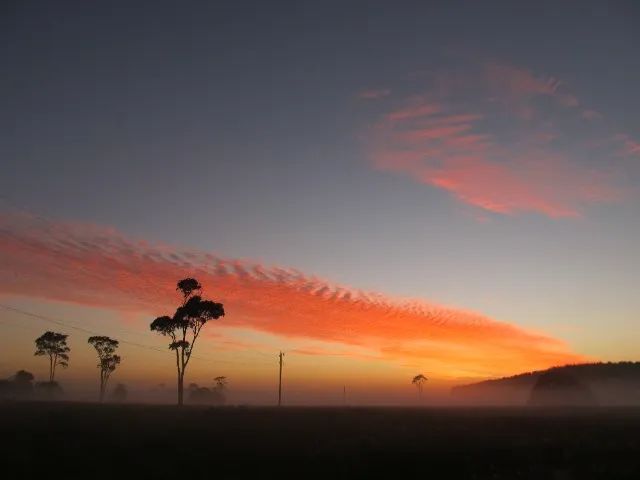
[490, 140]
[96, 266]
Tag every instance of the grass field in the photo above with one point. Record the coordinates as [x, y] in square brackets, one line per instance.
[54, 440]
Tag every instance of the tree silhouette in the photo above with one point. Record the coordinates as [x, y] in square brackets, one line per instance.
[108, 360]
[418, 381]
[54, 345]
[221, 383]
[22, 376]
[19, 386]
[220, 388]
[198, 394]
[22, 383]
[208, 396]
[185, 325]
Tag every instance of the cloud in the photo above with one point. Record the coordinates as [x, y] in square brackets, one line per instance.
[417, 108]
[519, 85]
[498, 138]
[96, 266]
[373, 94]
[629, 147]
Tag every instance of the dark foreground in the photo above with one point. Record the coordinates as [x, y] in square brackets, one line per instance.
[108, 441]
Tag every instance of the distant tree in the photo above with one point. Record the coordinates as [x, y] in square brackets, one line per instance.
[120, 393]
[198, 394]
[220, 388]
[108, 360]
[221, 382]
[205, 395]
[558, 387]
[48, 390]
[19, 386]
[418, 381]
[54, 345]
[22, 376]
[22, 383]
[185, 325]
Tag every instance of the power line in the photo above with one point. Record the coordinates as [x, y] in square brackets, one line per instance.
[64, 324]
[21, 208]
[91, 332]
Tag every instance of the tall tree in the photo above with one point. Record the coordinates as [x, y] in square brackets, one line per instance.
[108, 360]
[418, 381]
[185, 325]
[54, 345]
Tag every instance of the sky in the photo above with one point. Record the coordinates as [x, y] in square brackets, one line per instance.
[379, 189]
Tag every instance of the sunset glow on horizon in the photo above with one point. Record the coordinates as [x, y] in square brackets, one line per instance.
[98, 267]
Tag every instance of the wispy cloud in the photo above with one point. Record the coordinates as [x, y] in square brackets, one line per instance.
[373, 93]
[501, 139]
[628, 146]
[96, 266]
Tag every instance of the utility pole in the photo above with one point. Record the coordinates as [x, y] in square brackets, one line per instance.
[344, 394]
[280, 356]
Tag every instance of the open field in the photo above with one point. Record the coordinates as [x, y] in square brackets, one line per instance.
[56, 439]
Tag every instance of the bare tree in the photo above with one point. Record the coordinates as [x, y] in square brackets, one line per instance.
[185, 325]
[54, 345]
[108, 360]
[418, 381]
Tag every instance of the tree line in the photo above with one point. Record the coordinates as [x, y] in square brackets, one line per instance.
[53, 346]
[182, 328]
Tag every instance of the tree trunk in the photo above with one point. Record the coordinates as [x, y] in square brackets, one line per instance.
[180, 388]
[102, 388]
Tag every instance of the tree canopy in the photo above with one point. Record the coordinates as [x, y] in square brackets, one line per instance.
[53, 345]
[418, 381]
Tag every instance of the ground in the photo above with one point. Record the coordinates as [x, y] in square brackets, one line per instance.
[54, 440]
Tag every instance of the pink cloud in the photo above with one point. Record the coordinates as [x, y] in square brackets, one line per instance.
[94, 266]
[514, 81]
[490, 143]
[416, 109]
[435, 132]
[629, 146]
[544, 185]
